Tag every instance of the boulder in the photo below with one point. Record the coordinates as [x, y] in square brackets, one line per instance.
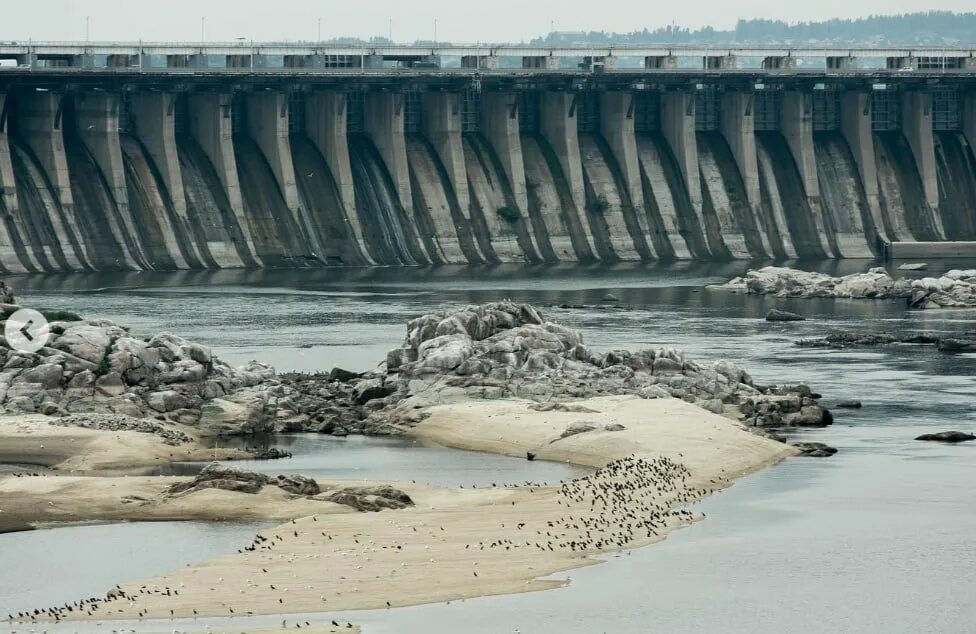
[947, 436]
[343, 376]
[368, 499]
[782, 315]
[913, 266]
[849, 404]
[579, 427]
[815, 449]
[298, 484]
[957, 345]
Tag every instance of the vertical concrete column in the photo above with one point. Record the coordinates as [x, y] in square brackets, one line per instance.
[383, 119]
[500, 125]
[8, 193]
[153, 115]
[97, 116]
[267, 124]
[325, 125]
[678, 127]
[796, 125]
[154, 123]
[617, 128]
[969, 119]
[855, 126]
[442, 127]
[738, 127]
[557, 122]
[41, 128]
[8, 187]
[916, 123]
[211, 127]
[39, 116]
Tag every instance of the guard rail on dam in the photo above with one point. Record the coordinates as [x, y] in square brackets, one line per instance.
[141, 167]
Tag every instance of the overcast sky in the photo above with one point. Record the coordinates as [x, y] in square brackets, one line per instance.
[457, 20]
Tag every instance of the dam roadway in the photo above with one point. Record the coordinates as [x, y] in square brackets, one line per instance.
[151, 156]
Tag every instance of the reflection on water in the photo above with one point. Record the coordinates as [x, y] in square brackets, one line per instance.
[385, 458]
[389, 458]
[877, 538]
[49, 567]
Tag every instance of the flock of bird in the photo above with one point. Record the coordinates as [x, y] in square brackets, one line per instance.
[625, 503]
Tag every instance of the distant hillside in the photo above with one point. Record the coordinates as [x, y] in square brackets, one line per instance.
[932, 28]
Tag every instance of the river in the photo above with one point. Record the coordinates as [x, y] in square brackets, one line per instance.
[876, 538]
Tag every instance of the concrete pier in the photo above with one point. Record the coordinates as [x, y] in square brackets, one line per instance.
[267, 124]
[916, 123]
[8, 193]
[98, 127]
[969, 119]
[211, 127]
[558, 125]
[154, 123]
[442, 128]
[855, 126]
[678, 128]
[617, 128]
[796, 126]
[500, 125]
[738, 127]
[383, 120]
[325, 125]
[41, 127]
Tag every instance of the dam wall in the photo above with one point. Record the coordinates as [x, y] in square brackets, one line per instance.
[146, 173]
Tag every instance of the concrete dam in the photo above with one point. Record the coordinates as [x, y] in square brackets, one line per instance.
[189, 165]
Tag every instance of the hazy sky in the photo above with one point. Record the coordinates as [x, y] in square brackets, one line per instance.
[457, 20]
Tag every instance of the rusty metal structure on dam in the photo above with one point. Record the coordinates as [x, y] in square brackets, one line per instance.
[180, 156]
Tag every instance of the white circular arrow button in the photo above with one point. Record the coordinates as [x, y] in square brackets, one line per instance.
[26, 330]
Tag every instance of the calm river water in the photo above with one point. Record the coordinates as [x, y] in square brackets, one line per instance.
[877, 538]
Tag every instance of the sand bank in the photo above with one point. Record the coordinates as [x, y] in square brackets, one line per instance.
[31, 439]
[459, 543]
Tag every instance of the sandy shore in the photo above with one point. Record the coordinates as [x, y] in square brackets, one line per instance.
[31, 439]
[459, 543]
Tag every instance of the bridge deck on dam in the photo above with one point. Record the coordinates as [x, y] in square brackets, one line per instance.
[163, 161]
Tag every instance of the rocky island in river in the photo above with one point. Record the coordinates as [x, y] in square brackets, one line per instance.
[658, 430]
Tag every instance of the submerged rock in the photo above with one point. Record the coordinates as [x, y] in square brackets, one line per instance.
[947, 436]
[957, 345]
[814, 449]
[913, 266]
[849, 404]
[854, 339]
[783, 315]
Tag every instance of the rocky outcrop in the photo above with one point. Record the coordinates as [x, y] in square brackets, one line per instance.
[268, 453]
[7, 294]
[947, 436]
[783, 315]
[97, 366]
[368, 498]
[217, 476]
[842, 340]
[815, 449]
[507, 350]
[957, 288]
[118, 422]
[787, 282]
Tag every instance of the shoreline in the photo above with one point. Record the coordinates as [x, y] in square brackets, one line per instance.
[469, 542]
